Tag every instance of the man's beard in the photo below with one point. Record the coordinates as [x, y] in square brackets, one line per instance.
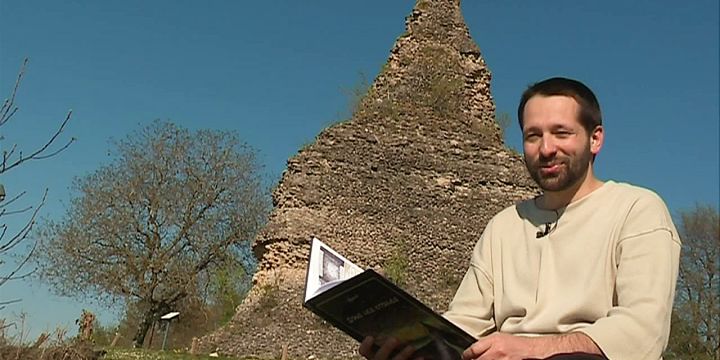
[573, 169]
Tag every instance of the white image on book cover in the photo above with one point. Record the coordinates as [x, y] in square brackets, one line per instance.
[326, 269]
[332, 267]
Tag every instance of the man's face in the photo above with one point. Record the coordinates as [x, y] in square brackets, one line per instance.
[558, 150]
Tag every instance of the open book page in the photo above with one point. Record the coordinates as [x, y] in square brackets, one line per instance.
[326, 269]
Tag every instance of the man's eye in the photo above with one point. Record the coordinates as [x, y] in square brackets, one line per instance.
[531, 137]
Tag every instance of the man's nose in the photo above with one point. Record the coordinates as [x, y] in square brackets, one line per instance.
[547, 147]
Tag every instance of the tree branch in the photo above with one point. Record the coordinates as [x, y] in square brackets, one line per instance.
[5, 111]
[37, 154]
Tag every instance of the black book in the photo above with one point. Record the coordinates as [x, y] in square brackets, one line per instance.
[364, 303]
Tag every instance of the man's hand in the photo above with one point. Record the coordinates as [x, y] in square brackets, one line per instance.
[500, 346]
[389, 347]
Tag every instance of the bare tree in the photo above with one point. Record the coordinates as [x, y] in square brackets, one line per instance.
[696, 320]
[16, 241]
[153, 226]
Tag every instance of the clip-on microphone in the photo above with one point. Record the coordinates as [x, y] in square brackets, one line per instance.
[542, 233]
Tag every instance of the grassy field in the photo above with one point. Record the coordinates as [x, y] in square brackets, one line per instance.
[139, 354]
[72, 352]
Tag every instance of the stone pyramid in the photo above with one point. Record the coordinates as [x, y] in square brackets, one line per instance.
[406, 185]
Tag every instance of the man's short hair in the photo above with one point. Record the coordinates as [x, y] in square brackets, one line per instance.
[590, 115]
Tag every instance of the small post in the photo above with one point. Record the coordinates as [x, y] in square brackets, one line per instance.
[194, 346]
[167, 328]
[168, 317]
[115, 339]
[152, 334]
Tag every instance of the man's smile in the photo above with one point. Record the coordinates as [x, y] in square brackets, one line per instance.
[550, 169]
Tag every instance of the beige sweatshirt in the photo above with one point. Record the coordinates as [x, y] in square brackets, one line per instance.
[607, 268]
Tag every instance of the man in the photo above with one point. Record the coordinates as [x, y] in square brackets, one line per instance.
[588, 267]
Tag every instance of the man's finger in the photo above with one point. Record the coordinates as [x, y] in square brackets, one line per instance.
[386, 349]
[476, 349]
[366, 347]
[405, 354]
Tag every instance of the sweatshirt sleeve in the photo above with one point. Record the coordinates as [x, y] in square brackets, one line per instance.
[472, 307]
[647, 255]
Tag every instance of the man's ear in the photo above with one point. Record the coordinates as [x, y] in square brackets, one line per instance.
[596, 139]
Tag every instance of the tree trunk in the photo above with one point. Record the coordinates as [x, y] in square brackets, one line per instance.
[143, 326]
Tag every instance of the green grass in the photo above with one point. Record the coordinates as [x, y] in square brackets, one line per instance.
[140, 354]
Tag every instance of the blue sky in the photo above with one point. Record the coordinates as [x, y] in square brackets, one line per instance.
[274, 71]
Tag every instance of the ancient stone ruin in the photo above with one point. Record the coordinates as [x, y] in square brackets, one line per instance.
[406, 185]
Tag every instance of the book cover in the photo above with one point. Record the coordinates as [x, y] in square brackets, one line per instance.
[364, 304]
